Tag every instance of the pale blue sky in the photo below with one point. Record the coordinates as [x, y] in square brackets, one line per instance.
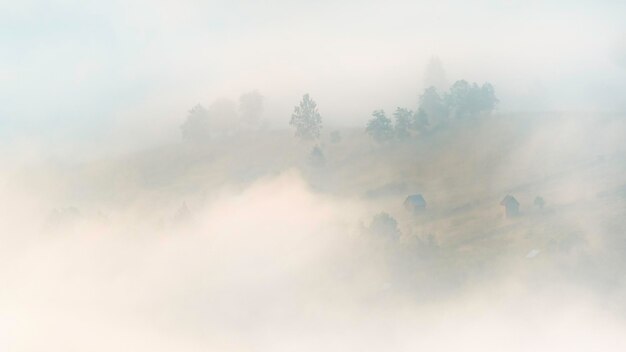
[98, 70]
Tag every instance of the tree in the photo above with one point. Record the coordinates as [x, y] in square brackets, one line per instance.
[250, 108]
[385, 226]
[432, 107]
[306, 119]
[402, 123]
[201, 125]
[434, 74]
[196, 127]
[488, 98]
[316, 157]
[539, 202]
[458, 98]
[380, 127]
[469, 100]
[419, 120]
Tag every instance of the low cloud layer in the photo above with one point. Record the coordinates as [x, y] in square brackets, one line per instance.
[281, 176]
[274, 267]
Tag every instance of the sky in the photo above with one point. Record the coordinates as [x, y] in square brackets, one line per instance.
[94, 71]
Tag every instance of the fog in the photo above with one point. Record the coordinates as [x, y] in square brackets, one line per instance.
[86, 72]
[279, 176]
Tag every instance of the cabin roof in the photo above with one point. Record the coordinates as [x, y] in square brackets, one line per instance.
[415, 199]
[509, 200]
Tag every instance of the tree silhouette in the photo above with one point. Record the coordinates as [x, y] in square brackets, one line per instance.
[468, 100]
[306, 119]
[385, 226]
[432, 107]
[402, 123]
[380, 127]
[196, 127]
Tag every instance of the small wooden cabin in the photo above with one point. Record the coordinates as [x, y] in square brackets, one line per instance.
[511, 206]
[415, 203]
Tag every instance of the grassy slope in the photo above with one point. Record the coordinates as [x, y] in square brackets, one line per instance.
[463, 171]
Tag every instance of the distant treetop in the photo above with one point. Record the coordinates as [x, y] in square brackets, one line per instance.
[380, 127]
[306, 119]
[462, 100]
[468, 100]
[434, 74]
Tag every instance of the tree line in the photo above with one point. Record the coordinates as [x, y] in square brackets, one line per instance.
[462, 101]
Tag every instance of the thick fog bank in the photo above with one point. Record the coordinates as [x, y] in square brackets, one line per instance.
[276, 267]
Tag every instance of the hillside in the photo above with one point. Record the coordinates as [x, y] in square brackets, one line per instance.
[463, 171]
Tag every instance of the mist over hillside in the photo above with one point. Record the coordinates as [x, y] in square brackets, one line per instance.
[280, 176]
[243, 243]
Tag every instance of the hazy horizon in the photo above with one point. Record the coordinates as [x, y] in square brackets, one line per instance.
[85, 71]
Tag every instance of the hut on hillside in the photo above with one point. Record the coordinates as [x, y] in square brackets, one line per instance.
[511, 206]
[415, 203]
